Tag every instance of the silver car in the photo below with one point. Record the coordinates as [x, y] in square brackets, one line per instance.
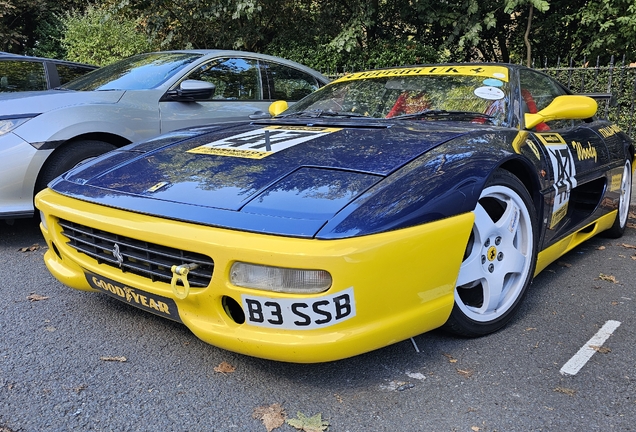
[45, 133]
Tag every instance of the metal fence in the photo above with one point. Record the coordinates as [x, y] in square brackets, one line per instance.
[617, 78]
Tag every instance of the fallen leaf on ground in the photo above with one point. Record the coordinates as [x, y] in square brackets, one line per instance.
[272, 416]
[475, 428]
[600, 248]
[631, 215]
[224, 367]
[309, 424]
[631, 225]
[566, 391]
[564, 264]
[465, 372]
[628, 246]
[79, 388]
[36, 297]
[31, 248]
[450, 358]
[608, 278]
[117, 359]
[600, 349]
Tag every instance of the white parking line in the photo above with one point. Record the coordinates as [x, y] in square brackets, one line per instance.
[587, 351]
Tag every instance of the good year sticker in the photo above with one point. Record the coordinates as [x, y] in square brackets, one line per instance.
[299, 314]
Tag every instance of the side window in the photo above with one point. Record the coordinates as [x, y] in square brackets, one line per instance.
[234, 78]
[18, 75]
[537, 92]
[286, 83]
[69, 72]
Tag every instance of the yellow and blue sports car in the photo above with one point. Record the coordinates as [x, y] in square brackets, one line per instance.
[386, 204]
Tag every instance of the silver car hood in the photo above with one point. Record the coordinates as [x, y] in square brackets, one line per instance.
[36, 102]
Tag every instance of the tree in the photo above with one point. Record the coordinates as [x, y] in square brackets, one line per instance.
[604, 28]
[98, 36]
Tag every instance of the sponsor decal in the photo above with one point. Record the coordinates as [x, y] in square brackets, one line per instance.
[156, 187]
[156, 304]
[616, 182]
[489, 93]
[584, 153]
[608, 131]
[550, 138]
[299, 314]
[498, 72]
[564, 175]
[260, 143]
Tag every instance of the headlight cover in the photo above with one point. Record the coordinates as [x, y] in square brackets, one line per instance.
[279, 279]
[8, 124]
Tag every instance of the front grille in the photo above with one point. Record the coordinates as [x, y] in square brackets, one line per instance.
[139, 257]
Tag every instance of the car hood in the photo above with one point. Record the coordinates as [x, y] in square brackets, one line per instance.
[282, 179]
[38, 102]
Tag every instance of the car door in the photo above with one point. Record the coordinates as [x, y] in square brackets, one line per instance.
[577, 158]
[238, 94]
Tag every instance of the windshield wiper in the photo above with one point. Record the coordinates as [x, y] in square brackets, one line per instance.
[322, 113]
[447, 114]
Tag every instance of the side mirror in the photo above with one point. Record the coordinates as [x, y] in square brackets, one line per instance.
[192, 90]
[567, 107]
[277, 107]
[259, 115]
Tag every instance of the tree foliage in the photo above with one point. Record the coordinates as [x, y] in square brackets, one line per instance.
[328, 34]
[99, 37]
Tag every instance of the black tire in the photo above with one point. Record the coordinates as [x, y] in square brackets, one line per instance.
[500, 258]
[624, 201]
[69, 156]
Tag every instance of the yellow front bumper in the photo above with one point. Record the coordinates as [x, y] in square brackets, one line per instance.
[401, 282]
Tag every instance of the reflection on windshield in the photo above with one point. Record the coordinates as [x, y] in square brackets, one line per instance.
[389, 97]
[140, 72]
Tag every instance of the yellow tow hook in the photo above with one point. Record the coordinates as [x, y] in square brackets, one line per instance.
[180, 274]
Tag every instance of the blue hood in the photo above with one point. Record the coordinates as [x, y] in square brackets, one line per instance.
[269, 178]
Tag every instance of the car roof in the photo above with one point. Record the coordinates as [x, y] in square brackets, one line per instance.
[227, 53]
[13, 56]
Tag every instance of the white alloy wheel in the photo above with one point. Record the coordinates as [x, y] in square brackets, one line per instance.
[500, 258]
[626, 194]
[624, 200]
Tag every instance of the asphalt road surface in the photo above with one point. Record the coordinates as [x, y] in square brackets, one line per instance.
[75, 361]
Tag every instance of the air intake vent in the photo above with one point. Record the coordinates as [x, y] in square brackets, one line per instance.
[134, 256]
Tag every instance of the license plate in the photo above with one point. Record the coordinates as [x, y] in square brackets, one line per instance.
[299, 314]
[153, 303]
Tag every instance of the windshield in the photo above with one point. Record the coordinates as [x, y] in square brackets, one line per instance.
[140, 72]
[414, 97]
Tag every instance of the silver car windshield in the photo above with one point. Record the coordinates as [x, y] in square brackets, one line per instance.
[140, 72]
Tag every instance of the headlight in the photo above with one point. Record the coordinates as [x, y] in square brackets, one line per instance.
[278, 279]
[8, 124]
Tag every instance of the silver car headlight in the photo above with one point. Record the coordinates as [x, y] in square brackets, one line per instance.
[8, 124]
[279, 279]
